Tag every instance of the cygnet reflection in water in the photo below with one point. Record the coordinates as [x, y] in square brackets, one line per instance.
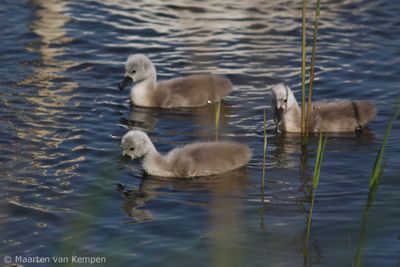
[203, 118]
[151, 188]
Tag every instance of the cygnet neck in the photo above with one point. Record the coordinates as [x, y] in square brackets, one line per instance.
[151, 149]
[143, 90]
[295, 108]
[291, 118]
[151, 78]
[153, 160]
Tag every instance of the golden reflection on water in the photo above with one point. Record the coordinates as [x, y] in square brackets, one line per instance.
[49, 26]
[42, 130]
[51, 96]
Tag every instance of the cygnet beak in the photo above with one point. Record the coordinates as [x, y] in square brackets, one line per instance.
[126, 154]
[127, 80]
[278, 114]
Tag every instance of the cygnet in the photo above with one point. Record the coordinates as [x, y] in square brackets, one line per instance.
[335, 116]
[192, 160]
[189, 91]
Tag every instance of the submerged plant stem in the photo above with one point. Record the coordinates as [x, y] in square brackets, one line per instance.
[309, 220]
[264, 154]
[315, 181]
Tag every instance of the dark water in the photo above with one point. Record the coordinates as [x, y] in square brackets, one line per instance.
[62, 118]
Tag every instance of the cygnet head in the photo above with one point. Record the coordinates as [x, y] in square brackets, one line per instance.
[138, 67]
[135, 144]
[282, 99]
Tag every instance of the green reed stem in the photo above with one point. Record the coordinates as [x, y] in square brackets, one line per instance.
[264, 153]
[217, 117]
[317, 170]
[303, 69]
[378, 168]
[374, 182]
[312, 72]
[320, 154]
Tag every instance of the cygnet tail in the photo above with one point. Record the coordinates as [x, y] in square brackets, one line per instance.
[230, 156]
[223, 87]
[365, 111]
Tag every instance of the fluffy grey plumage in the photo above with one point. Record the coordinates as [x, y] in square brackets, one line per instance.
[197, 159]
[335, 116]
[189, 91]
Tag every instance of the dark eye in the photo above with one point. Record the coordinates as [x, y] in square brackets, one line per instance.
[132, 148]
[285, 100]
[134, 71]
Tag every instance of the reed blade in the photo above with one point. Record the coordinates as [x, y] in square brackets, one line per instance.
[320, 154]
[374, 182]
[378, 168]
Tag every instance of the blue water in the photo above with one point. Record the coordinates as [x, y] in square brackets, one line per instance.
[67, 191]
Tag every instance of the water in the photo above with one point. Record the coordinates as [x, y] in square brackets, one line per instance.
[62, 118]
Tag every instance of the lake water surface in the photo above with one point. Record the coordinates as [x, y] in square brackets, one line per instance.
[67, 191]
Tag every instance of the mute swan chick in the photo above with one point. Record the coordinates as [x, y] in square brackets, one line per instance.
[335, 116]
[196, 159]
[190, 91]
